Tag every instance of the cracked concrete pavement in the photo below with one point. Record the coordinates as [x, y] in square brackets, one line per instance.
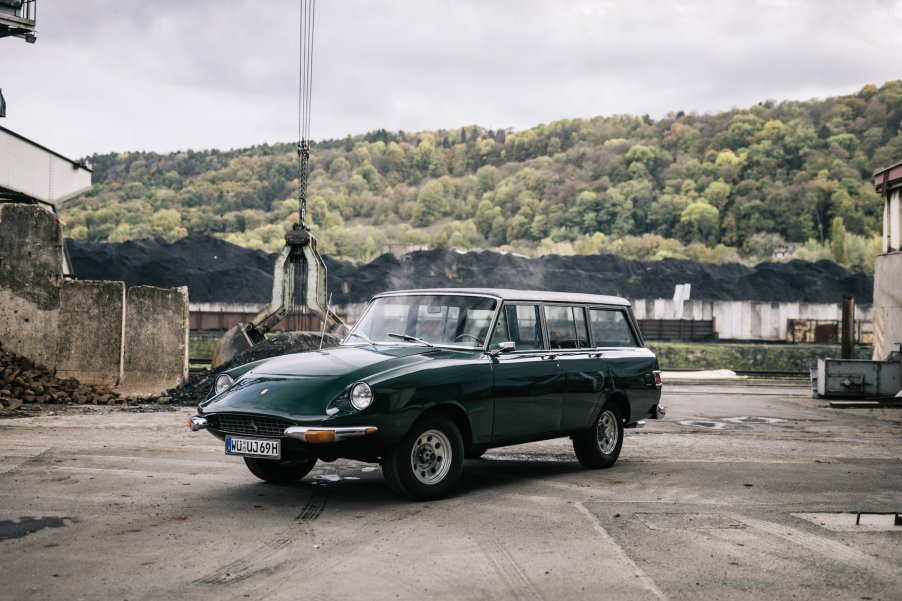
[111, 503]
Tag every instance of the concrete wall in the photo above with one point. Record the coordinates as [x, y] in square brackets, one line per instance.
[91, 331]
[156, 339]
[79, 329]
[31, 258]
[887, 303]
[746, 320]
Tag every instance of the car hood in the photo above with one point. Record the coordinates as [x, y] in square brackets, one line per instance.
[300, 386]
[337, 361]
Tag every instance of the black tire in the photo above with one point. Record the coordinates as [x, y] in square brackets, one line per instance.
[596, 447]
[280, 471]
[427, 463]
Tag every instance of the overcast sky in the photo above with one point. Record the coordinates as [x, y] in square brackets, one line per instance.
[164, 75]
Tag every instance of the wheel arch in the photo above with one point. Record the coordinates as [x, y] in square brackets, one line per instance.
[620, 399]
[458, 415]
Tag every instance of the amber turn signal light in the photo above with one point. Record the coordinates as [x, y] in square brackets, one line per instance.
[320, 436]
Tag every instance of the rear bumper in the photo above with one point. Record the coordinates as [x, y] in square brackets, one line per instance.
[658, 411]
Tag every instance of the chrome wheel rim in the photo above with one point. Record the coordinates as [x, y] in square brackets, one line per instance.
[430, 458]
[607, 432]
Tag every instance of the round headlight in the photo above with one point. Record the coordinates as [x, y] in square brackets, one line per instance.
[223, 381]
[361, 395]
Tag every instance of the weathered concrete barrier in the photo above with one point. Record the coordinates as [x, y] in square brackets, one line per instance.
[87, 330]
[156, 339]
[746, 320]
[31, 258]
[91, 327]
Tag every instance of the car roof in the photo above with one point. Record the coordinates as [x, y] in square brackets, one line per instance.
[520, 295]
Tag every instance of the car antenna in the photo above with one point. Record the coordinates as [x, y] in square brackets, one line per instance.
[328, 311]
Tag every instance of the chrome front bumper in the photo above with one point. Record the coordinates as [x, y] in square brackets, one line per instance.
[311, 434]
[317, 434]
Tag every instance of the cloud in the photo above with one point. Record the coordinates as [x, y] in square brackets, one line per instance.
[132, 75]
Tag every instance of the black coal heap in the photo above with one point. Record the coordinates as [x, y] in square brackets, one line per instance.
[217, 271]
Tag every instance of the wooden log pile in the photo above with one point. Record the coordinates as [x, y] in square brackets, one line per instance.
[22, 381]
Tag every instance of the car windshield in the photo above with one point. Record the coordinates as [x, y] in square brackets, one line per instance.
[434, 319]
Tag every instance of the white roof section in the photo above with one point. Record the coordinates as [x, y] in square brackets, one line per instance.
[28, 168]
[535, 296]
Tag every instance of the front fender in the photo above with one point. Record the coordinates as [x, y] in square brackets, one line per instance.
[466, 386]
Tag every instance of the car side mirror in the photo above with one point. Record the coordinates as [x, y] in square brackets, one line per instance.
[504, 347]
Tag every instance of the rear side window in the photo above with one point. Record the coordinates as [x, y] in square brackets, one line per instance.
[611, 328]
[519, 324]
[566, 327]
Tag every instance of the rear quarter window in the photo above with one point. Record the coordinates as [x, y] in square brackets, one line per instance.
[566, 327]
[610, 327]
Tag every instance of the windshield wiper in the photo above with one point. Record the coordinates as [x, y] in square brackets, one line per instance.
[411, 339]
[362, 337]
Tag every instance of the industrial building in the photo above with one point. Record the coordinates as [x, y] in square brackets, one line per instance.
[887, 308]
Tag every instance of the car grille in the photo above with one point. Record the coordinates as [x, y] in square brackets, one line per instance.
[258, 425]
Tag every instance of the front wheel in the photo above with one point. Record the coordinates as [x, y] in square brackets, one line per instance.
[599, 447]
[427, 463]
[280, 472]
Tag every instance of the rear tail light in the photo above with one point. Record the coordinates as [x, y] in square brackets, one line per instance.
[657, 374]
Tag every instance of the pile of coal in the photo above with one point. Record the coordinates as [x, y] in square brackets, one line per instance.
[213, 270]
[199, 385]
[24, 382]
[217, 271]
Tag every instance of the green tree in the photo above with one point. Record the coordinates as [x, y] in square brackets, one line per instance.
[431, 204]
[699, 222]
[838, 237]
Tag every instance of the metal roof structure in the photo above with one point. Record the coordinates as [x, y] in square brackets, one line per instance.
[18, 18]
[30, 172]
[888, 178]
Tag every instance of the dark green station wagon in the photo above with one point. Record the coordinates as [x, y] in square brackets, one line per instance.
[428, 377]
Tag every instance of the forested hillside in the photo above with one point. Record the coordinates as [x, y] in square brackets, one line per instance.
[709, 187]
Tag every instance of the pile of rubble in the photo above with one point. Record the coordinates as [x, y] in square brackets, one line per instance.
[198, 386]
[22, 381]
[24, 384]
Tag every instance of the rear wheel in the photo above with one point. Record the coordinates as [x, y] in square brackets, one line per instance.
[427, 463]
[280, 471]
[599, 447]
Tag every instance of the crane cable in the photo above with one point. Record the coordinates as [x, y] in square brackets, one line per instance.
[305, 87]
[299, 274]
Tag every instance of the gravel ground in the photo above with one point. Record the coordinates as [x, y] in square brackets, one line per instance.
[125, 503]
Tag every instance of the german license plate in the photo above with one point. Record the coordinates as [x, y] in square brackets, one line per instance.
[253, 447]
